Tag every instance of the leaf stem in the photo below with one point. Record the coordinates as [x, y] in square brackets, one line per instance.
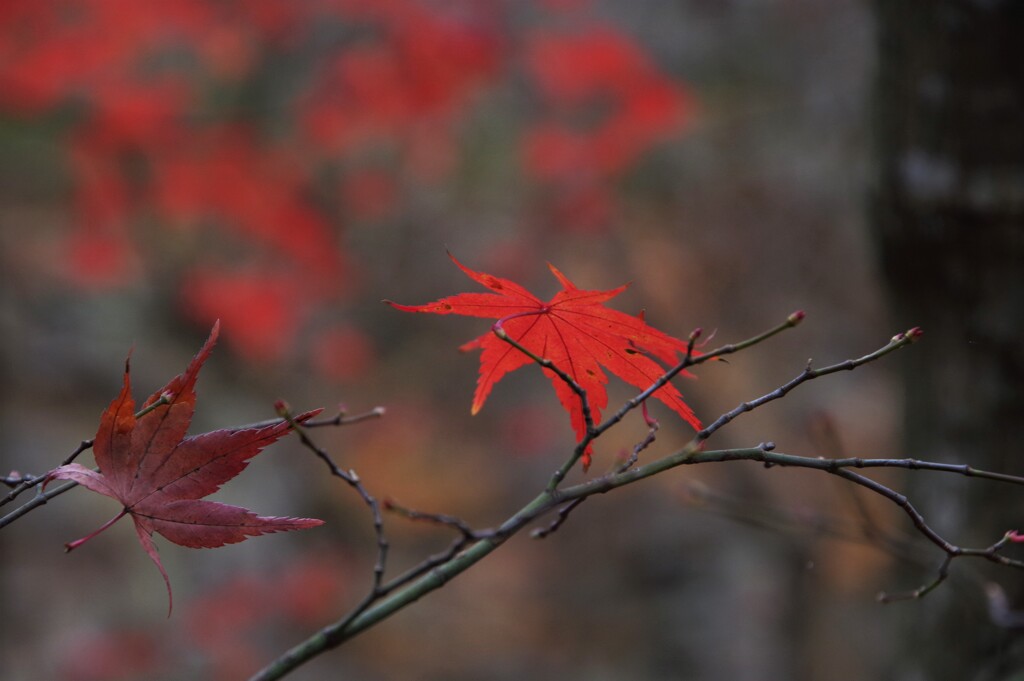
[72, 545]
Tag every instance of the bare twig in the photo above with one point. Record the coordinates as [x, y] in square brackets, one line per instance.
[467, 535]
[459, 559]
[38, 500]
[451, 521]
[652, 432]
[563, 515]
[838, 467]
[25, 482]
[342, 418]
[352, 480]
[626, 463]
[808, 374]
[692, 359]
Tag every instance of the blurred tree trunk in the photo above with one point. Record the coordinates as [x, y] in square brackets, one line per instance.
[947, 210]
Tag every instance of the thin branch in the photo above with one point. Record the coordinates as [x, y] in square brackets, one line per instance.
[344, 419]
[626, 463]
[992, 553]
[641, 399]
[792, 320]
[352, 480]
[26, 482]
[40, 499]
[440, 573]
[838, 467]
[425, 566]
[808, 374]
[341, 419]
[454, 523]
[652, 432]
[467, 535]
[902, 502]
[552, 497]
[692, 359]
[563, 515]
[940, 576]
[594, 431]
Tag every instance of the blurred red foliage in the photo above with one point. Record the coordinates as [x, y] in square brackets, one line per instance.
[226, 623]
[111, 655]
[224, 145]
[223, 628]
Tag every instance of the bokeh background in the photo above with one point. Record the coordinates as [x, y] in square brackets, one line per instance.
[286, 166]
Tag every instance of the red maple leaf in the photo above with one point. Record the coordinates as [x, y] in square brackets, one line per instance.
[576, 332]
[148, 464]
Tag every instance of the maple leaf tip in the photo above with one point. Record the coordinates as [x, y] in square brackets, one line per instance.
[562, 279]
[212, 338]
[403, 308]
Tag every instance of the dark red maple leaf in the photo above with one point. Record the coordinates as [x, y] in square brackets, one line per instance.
[148, 464]
[575, 331]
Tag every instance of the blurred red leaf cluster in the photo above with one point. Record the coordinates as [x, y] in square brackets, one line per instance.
[222, 148]
[607, 105]
[223, 627]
